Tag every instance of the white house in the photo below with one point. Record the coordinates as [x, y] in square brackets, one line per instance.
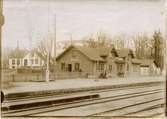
[148, 67]
[33, 59]
[15, 58]
[22, 58]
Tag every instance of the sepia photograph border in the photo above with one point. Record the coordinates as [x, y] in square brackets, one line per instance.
[2, 22]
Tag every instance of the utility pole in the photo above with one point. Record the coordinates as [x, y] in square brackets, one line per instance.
[47, 68]
[29, 23]
[54, 47]
[48, 54]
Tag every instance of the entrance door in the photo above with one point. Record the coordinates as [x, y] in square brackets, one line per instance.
[25, 62]
[69, 67]
[120, 70]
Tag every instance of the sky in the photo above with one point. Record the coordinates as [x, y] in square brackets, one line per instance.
[29, 21]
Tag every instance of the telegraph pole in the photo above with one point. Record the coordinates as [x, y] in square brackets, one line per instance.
[48, 54]
[55, 44]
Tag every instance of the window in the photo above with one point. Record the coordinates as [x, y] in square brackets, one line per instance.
[25, 62]
[18, 61]
[13, 61]
[32, 61]
[100, 66]
[63, 66]
[110, 68]
[120, 67]
[13, 67]
[127, 67]
[77, 66]
[36, 61]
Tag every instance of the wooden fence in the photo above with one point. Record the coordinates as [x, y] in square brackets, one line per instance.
[25, 77]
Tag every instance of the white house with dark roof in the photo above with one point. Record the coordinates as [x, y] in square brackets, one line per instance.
[148, 67]
[22, 58]
[33, 59]
[16, 58]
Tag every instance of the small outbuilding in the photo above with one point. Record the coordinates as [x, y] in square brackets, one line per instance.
[148, 67]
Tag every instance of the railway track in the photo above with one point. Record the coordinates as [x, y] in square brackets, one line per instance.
[112, 102]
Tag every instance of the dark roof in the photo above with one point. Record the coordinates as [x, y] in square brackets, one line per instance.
[104, 51]
[136, 61]
[18, 53]
[92, 53]
[124, 52]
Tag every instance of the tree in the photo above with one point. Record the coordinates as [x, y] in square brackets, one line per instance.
[99, 40]
[119, 41]
[158, 49]
[45, 48]
[143, 46]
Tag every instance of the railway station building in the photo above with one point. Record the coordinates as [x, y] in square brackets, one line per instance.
[96, 62]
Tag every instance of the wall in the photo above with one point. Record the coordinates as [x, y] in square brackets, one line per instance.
[135, 70]
[86, 65]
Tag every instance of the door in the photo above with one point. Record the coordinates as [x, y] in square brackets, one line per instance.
[120, 70]
[69, 67]
[25, 62]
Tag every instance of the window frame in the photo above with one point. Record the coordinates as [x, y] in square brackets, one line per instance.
[13, 61]
[63, 66]
[77, 66]
[110, 68]
[26, 60]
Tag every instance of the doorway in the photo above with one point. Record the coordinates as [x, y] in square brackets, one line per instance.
[69, 67]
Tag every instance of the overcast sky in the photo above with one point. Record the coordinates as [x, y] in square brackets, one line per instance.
[25, 18]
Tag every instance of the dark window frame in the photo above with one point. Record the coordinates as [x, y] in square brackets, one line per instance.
[13, 61]
[63, 68]
[25, 62]
[77, 66]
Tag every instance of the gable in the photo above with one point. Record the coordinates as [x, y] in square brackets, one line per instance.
[125, 52]
[33, 55]
[90, 53]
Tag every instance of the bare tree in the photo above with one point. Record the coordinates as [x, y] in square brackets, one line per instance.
[158, 49]
[45, 48]
[119, 41]
[143, 46]
[99, 40]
